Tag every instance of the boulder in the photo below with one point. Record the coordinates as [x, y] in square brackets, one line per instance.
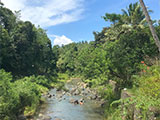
[131, 108]
[68, 94]
[73, 90]
[49, 96]
[63, 93]
[21, 117]
[93, 97]
[57, 119]
[125, 94]
[153, 112]
[47, 118]
[40, 115]
[76, 102]
[114, 85]
[77, 92]
[81, 100]
[73, 101]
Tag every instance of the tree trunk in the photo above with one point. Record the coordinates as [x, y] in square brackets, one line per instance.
[150, 24]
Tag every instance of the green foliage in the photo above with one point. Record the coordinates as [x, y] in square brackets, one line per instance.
[112, 17]
[20, 96]
[7, 99]
[40, 80]
[28, 94]
[124, 55]
[142, 104]
[146, 98]
[61, 80]
[133, 15]
[63, 77]
[67, 64]
[97, 66]
[116, 59]
[8, 19]
[107, 93]
[149, 82]
[85, 60]
[24, 49]
[116, 52]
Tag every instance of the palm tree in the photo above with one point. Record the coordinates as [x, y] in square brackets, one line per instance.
[133, 15]
[150, 24]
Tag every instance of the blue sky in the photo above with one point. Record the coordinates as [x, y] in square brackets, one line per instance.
[69, 21]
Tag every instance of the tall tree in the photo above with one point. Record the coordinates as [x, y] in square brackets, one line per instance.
[133, 15]
[150, 24]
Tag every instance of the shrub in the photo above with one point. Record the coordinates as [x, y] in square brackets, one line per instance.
[40, 80]
[28, 94]
[8, 98]
[146, 98]
[150, 82]
[20, 96]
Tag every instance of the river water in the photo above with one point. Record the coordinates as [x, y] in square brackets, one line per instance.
[58, 107]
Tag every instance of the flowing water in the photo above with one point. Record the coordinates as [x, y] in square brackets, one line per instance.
[59, 106]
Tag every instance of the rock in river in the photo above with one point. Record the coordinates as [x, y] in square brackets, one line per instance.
[57, 119]
[74, 101]
[47, 118]
[21, 117]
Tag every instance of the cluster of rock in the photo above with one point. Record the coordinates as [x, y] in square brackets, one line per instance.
[78, 89]
[43, 117]
[82, 89]
[40, 117]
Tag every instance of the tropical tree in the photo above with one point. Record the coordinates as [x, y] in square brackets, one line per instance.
[133, 15]
[7, 18]
[150, 24]
[24, 49]
[114, 18]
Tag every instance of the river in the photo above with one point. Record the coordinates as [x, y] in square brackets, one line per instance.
[59, 107]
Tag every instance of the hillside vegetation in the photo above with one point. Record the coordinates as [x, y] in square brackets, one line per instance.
[123, 52]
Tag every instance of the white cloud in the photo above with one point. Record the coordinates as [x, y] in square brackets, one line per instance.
[47, 12]
[60, 40]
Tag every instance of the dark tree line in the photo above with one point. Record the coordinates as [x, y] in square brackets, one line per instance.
[24, 49]
[27, 65]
